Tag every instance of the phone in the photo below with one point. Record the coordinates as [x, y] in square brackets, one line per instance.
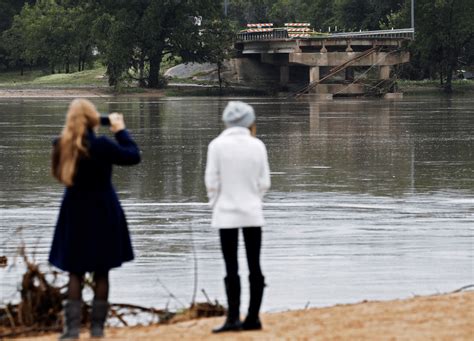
[104, 121]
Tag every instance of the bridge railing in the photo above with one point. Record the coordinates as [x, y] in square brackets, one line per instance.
[407, 33]
[278, 34]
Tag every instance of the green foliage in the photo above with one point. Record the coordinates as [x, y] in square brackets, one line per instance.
[113, 37]
[365, 14]
[286, 10]
[445, 32]
[322, 14]
[245, 11]
[218, 38]
[50, 31]
[348, 14]
[397, 18]
[134, 36]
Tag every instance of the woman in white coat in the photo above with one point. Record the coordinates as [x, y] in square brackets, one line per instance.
[237, 176]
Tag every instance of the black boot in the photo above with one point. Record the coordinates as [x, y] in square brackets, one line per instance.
[72, 319]
[252, 321]
[232, 323]
[98, 316]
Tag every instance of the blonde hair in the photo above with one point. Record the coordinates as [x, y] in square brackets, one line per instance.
[81, 116]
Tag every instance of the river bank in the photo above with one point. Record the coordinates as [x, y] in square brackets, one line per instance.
[172, 91]
[74, 93]
[438, 317]
[93, 84]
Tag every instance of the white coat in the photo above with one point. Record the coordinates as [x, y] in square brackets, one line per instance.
[237, 176]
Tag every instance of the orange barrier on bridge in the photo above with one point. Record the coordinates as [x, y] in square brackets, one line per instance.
[299, 35]
[300, 24]
[259, 30]
[260, 25]
[295, 29]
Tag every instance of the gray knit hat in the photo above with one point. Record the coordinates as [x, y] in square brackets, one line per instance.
[238, 114]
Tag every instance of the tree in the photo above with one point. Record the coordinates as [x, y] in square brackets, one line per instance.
[445, 30]
[8, 9]
[138, 34]
[364, 14]
[114, 37]
[250, 11]
[321, 14]
[50, 31]
[218, 41]
[285, 11]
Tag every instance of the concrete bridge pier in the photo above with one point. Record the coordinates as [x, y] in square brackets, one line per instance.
[313, 74]
[284, 76]
[385, 72]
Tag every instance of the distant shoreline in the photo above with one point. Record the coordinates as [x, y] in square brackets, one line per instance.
[437, 317]
[93, 83]
[102, 92]
[186, 89]
[72, 93]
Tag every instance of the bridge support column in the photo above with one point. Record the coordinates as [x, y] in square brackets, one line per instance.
[349, 74]
[384, 72]
[349, 47]
[284, 75]
[323, 48]
[313, 74]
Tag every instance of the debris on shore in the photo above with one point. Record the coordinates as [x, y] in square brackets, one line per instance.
[40, 307]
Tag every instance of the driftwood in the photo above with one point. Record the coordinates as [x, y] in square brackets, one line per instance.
[40, 307]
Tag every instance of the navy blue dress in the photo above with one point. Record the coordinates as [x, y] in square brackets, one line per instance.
[91, 231]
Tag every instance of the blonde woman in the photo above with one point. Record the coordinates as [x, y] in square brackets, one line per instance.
[237, 177]
[91, 232]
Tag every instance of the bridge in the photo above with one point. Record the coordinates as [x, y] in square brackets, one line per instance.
[302, 61]
[278, 34]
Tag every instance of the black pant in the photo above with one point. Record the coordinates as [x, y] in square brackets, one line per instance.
[253, 243]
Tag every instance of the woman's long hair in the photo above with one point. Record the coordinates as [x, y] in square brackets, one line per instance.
[71, 146]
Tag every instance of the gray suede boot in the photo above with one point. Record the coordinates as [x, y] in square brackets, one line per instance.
[99, 313]
[72, 319]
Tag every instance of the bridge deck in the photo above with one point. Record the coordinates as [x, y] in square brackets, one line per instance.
[282, 34]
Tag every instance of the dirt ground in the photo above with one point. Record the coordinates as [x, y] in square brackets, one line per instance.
[73, 93]
[51, 93]
[440, 317]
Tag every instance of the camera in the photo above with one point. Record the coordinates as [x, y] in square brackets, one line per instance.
[104, 120]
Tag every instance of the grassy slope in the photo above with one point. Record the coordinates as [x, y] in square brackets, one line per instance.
[35, 79]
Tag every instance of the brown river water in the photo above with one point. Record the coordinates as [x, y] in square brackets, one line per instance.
[370, 199]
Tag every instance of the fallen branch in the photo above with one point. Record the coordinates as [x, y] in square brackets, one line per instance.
[119, 317]
[40, 306]
[463, 288]
[137, 307]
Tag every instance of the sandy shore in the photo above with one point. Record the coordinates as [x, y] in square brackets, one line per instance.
[440, 317]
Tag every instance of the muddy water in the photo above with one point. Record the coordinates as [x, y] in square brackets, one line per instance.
[370, 199]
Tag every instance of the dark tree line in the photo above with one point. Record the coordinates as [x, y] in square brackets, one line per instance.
[132, 37]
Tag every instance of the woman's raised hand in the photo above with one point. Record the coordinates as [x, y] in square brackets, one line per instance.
[116, 122]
